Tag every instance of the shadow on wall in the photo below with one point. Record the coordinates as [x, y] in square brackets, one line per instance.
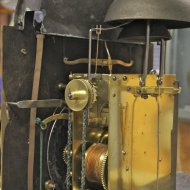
[188, 78]
[184, 147]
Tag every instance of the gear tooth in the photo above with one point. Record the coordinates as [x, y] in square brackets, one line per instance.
[95, 94]
[103, 171]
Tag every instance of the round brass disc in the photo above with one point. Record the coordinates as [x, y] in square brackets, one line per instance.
[77, 94]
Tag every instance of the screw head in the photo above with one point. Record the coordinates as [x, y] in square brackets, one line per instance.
[61, 87]
[139, 91]
[159, 82]
[145, 96]
[114, 78]
[124, 78]
[127, 168]
[129, 89]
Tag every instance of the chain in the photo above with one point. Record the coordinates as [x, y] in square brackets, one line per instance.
[84, 133]
[69, 149]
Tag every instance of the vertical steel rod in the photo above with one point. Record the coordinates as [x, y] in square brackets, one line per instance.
[35, 91]
[174, 142]
[90, 54]
[162, 57]
[146, 57]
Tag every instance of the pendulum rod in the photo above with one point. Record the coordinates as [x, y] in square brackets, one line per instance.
[132, 132]
[158, 145]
